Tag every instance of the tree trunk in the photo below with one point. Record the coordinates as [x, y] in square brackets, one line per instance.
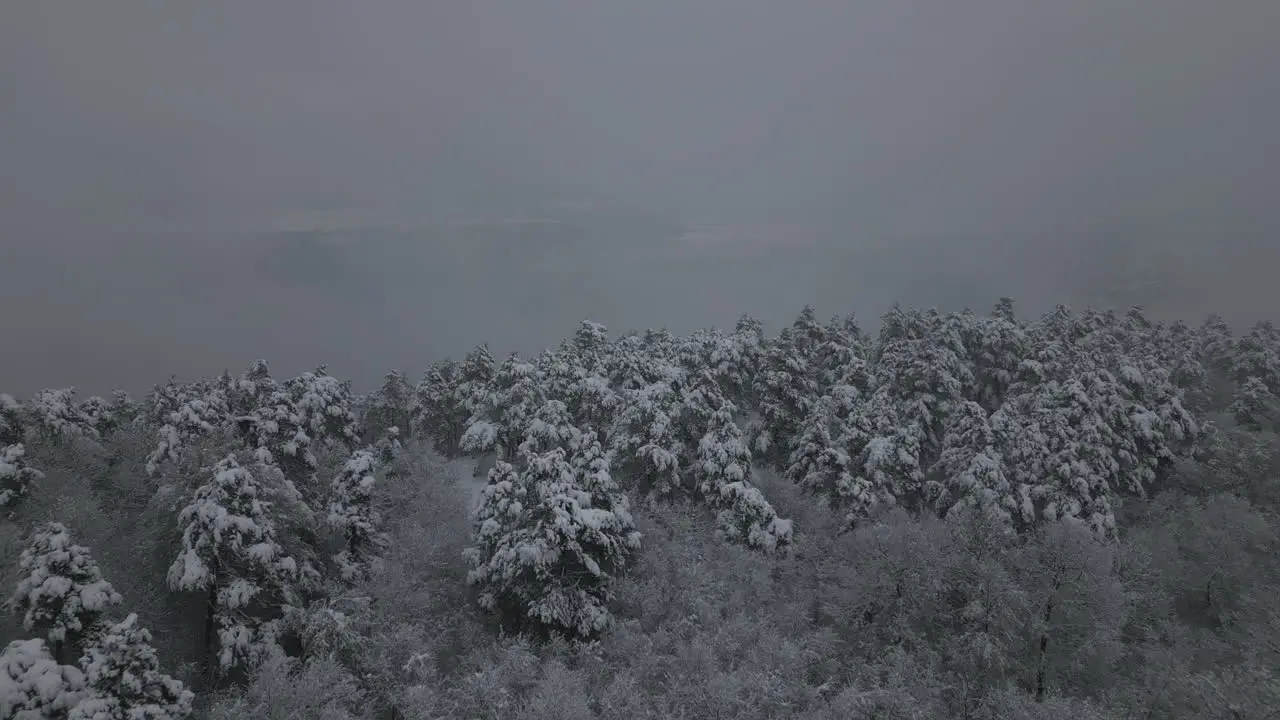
[209, 640]
[1044, 646]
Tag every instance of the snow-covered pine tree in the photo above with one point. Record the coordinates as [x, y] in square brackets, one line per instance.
[630, 366]
[97, 415]
[550, 427]
[843, 344]
[736, 360]
[1254, 406]
[439, 413]
[390, 406]
[970, 474]
[61, 592]
[352, 513]
[231, 553]
[33, 686]
[824, 459]
[200, 415]
[502, 416]
[1216, 347]
[723, 471]
[549, 541]
[1061, 450]
[922, 370]
[645, 445]
[785, 391]
[323, 404]
[123, 679]
[591, 346]
[16, 478]
[123, 407]
[997, 344]
[1258, 356]
[55, 416]
[389, 451]
[12, 424]
[475, 374]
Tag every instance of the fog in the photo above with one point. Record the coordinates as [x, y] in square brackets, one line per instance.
[152, 152]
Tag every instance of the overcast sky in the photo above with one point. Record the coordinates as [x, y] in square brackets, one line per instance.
[915, 115]
[1025, 118]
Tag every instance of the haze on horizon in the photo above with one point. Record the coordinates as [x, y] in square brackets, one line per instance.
[1038, 123]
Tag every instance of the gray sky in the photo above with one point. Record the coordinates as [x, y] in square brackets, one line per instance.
[896, 117]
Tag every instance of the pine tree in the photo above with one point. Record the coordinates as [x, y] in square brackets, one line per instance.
[550, 427]
[644, 443]
[549, 541]
[723, 471]
[352, 513]
[475, 375]
[12, 424]
[33, 686]
[55, 416]
[323, 404]
[970, 473]
[61, 592]
[1061, 451]
[97, 415]
[736, 360]
[826, 457]
[230, 552]
[123, 407]
[502, 416]
[438, 409]
[16, 478]
[1254, 405]
[786, 389]
[591, 345]
[124, 682]
[1258, 356]
[997, 344]
[201, 412]
[390, 405]
[922, 370]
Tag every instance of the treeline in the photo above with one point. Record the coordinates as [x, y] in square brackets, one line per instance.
[1028, 456]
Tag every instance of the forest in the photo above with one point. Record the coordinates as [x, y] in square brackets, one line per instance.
[959, 515]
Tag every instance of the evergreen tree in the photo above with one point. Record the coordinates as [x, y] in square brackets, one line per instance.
[823, 460]
[476, 373]
[123, 407]
[231, 553]
[502, 416]
[33, 686]
[97, 415]
[591, 345]
[12, 424]
[1258, 356]
[390, 406]
[1216, 346]
[55, 416]
[61, 592]
[124, 682]
[997, 344]
[323, 405]
[970, 474]
[723, 471]
[644, 443]
[352, 513]
[439, 411]
[201, 413]
[549, 541]
[786, 388]
[16, 478]
[1254, 406]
